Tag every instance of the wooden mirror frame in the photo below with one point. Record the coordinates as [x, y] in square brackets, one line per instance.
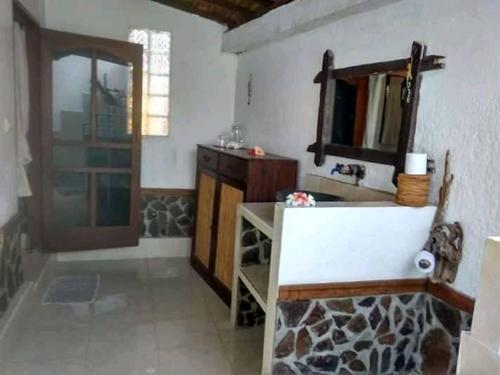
[327, 78]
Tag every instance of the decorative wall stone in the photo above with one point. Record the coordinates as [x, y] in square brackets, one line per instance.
[250, 313]
[377, 335]
[255, 245]
[166, 216]
[255, 249]
[11, 271]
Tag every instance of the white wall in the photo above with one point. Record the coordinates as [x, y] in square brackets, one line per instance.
[8, 173]
[202, 78]
[459, 106]
[355, 246]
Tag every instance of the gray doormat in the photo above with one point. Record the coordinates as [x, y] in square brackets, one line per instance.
[72, 289]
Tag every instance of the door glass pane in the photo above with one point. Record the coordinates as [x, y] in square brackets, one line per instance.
[114, 88]
[113, 199]
[96, 157]
[71, 199]
[71, 87]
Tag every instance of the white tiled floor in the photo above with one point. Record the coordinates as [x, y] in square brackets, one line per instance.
[152, 316]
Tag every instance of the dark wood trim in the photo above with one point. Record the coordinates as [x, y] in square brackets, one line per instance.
[62, 142]
[443, 292]
[410, 109]
[93, 98]
[431, 62]
[451, 296]
[325, 111]
[351, 289]
[327, 77]
[161, 192]
[94, 170]
[358, 153]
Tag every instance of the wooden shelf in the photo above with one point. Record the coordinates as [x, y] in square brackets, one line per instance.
[256, 279]
[261, 215]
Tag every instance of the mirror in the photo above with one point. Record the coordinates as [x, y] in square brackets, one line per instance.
[367, 111]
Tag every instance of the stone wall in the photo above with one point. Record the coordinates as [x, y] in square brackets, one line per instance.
[166, 215]
[387, 334]
[255, 249]
[11, 270]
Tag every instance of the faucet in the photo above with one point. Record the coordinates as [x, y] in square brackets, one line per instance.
[357, 170]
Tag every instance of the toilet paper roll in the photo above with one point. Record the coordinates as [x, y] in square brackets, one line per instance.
[416, 164]
[425, 261]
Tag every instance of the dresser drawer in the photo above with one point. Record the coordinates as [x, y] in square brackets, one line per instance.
[207, 159]
[232, 167]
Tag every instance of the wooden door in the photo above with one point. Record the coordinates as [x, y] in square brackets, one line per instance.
[204, 218]
[91, 132]
[230, 197]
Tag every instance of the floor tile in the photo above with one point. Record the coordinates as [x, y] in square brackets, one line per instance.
[193, 333]
[54, 316]
[50, 344]
[123, 362]
[245, 356]
[181, 309]
[154, 316]
[194, 361]
[116, 336]
[53, 367]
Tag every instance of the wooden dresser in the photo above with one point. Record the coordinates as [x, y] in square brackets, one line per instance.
[224, 179]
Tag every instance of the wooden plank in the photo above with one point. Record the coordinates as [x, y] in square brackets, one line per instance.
[358, 153]
[451, 296]
[230, 197]
[378, 287]
[431, 62]
[351, 289]
[204, 215]
[325, 110]
[410, 109]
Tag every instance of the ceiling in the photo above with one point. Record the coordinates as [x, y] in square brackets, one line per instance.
[231, 13]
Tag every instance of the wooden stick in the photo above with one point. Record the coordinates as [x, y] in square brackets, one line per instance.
[444, 191]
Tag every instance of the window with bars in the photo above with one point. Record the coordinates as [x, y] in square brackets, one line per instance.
[156, 80]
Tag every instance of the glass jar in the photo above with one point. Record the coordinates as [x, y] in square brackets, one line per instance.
[237, 134]
[222, 141]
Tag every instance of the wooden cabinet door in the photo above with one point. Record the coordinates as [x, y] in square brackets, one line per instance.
[204, 218]
[229, 199]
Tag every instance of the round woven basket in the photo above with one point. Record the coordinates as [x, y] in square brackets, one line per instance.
[413, 190]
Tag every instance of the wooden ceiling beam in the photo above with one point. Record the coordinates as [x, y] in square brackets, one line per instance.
[225, 11]
[233, 7]
[184, 6]
[263, 10]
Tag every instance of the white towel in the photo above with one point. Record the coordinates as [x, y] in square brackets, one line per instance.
[22, 110]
